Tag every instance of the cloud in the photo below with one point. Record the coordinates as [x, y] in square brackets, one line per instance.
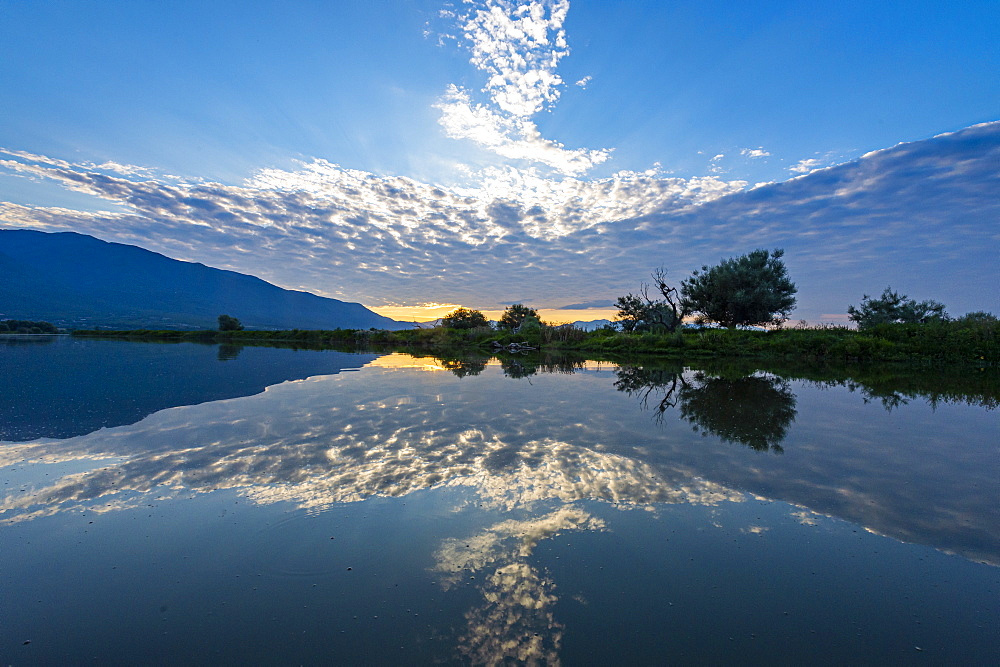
[806, 165]
[585, 81]
[518, 46]
[713, 165]
[601, 303]
[510, 137]
[921, 216]
[754, 153]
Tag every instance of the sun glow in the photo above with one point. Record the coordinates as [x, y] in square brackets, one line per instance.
[424, 312]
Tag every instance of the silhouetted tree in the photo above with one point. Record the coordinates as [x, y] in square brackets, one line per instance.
[644, 313]
[893, 307]
[514, 315]
[229, 323]
[464, 318]
[752, 289]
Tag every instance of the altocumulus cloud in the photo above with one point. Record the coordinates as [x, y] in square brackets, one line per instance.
[518, 46]
[921, 216]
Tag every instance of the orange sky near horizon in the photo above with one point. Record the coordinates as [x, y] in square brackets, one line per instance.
[432, 311]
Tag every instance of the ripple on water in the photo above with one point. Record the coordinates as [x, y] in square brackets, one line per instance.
[303, 544]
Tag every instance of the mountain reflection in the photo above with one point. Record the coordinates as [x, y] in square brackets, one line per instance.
[61, 387]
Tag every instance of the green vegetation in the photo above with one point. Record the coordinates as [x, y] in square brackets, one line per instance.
[644, 313]
[465, 318]
[974, 339]
[753, 289]
[515, 315]
[27, 327]
[229, 323]
[750, 290]
[893, 307]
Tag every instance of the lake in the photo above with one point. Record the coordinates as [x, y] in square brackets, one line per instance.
[202, 504]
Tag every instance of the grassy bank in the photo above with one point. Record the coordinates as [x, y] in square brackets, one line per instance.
[973, 343]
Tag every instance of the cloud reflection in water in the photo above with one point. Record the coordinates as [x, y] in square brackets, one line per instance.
[389, 431]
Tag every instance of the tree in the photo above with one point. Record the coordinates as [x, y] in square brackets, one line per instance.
[893, 308]
[531, 329]
[643, 313]
[228, 323]
[752, 289]
[514, 315]
[980, 317]
[464, 318]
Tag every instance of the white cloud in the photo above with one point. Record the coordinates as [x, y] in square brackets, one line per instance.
[754, 152]
[518, 46]
[514, 138]
[585, 81]
[806, 165]
[713, 165]
[921, 216]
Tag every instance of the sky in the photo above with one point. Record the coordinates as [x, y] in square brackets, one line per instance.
[416, 156]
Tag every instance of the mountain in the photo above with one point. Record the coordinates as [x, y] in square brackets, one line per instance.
[78, 281]
[591, 325]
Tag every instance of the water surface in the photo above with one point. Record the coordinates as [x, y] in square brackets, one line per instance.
[196, 504]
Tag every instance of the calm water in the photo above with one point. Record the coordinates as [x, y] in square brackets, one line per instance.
[190, 504]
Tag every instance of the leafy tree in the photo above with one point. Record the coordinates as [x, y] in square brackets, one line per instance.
[978, 317]
[229, 323]
[464, 318]
[531, 329]
[893, 307]
[644, 313]
[514, 315]
[752, 289]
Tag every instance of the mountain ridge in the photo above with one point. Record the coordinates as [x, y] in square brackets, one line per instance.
[79, 281]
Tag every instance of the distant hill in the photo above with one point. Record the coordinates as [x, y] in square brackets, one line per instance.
[591, 325]
[78, 281]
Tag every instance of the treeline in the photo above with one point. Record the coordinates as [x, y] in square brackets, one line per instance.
[27, 327]
[969, 340]
[742, 295]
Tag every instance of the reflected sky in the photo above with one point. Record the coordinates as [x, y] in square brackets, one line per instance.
[523, 455]
[58, 387]
[921, 472]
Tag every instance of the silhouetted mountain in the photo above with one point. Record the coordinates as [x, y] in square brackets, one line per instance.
[78, 281]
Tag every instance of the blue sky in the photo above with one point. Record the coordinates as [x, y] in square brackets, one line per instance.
[406, 153]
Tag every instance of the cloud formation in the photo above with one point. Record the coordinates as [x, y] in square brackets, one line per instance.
[518, 46]
[920, 216]
[806, 165]
[754, 152]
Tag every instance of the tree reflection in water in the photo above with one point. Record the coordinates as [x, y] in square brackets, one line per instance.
[229, 352]
[466, 366]
[752, 410]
